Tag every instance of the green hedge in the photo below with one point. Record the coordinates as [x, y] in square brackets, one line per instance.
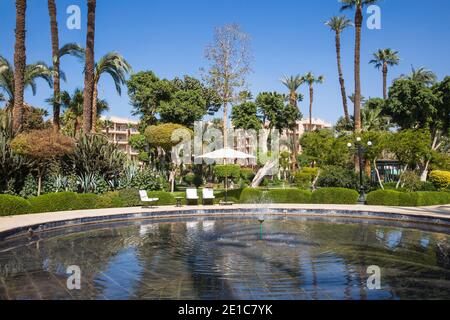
[12, 205]
[53, 202]
[251, 195]
[289, 196]
[335, 196]
[165, 198]
[407, 199]
[384, 198]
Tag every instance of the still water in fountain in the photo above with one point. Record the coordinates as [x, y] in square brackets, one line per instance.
[229, 258]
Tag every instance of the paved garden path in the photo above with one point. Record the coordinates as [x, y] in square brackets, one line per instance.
[20, 221]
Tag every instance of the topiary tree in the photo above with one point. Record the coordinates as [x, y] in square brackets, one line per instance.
[166, 136]
[43, 147]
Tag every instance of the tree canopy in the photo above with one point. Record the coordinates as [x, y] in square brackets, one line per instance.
[166, 135]
[245, 116]
[181, 101]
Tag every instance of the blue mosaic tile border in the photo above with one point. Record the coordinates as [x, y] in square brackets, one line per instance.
[17, 232]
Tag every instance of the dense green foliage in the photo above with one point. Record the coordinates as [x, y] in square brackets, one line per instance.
[440, 179]
[251, 195]
[337, 177]
[94, 155]
[231, 171]
[55, 202]
[182, 101]
[323, 148]
[407, 199]
[289, 196]
[305, 177]
[167, 135]
[335, 196]
[12, 205]
[245, 116]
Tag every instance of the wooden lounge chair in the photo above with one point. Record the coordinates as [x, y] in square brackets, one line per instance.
[144, 198]
[208, 195]
[191, 195]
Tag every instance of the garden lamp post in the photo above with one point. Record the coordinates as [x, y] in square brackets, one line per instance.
[359, 149]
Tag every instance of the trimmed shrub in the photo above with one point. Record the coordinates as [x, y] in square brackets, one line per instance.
[12, 205]
[407, 199]
[230, 171]
[433, 198]
[251, 195]
[54, 202]
[440, 179]
[234, 195]
[305, 177]
[88, 201]
[165, 198]
[129, 198]
[110, 200]
[335, 196]
[384, 198]
[289, 196]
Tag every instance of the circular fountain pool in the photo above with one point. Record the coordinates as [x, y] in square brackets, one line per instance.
[230, 258]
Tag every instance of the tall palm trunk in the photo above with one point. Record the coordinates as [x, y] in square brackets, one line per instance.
[89, 72]
[341, 77]
[94, 107]
[293, 101]
[358, 27]
[56, 64]
[357, 102]
[311, 100]
[385, 72]
[19, 64]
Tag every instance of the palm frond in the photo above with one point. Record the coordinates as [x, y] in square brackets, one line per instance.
[72, 49]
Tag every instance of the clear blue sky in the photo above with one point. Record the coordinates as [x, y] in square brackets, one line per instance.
[288, 37]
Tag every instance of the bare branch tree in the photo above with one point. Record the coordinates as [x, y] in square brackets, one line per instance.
[230, 56]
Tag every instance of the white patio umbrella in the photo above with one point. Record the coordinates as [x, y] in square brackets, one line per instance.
[229, 154]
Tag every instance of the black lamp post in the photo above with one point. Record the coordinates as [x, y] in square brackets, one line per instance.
[359, 149]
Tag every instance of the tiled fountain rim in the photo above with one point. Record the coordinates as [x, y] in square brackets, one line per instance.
[13, 226]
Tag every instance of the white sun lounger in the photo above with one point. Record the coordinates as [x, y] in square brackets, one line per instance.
[208, 195]
[191, 195]
[144, 198]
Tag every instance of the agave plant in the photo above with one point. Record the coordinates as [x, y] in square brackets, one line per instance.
[94, 155]
[13, 167]
[87, 182]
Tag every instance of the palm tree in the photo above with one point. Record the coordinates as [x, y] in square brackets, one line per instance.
[117, 67]
[75, 105]
[32, 72]
[20, 61]
[89, 68]
[374, 120]
[358, 6]
[422, 75]
[311, 79]
[338, 25]
[108, 124]
[385, 58]
[57, 54]
[293, 83]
